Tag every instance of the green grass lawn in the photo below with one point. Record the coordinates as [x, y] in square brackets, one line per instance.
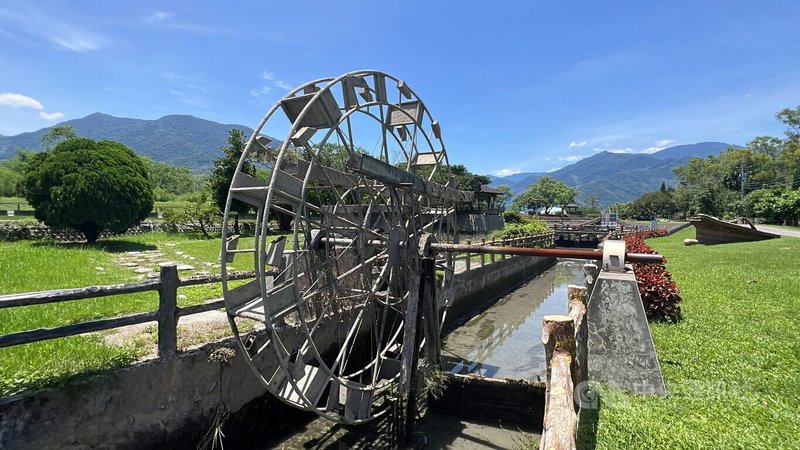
[732, 365]
[33, 266]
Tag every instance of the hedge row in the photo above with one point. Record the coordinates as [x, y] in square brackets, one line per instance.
[660, 295]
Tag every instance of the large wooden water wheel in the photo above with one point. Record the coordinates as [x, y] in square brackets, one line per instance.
[361, 175]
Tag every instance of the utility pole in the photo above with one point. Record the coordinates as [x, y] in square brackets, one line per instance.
[742, 178]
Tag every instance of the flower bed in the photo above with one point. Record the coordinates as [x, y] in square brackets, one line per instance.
[660, 295]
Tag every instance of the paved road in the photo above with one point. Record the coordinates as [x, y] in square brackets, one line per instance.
[776, 230]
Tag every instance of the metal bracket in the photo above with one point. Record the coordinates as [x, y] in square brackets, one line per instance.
[614, 255]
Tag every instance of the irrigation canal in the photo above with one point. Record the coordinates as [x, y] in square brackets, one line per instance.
[503, 341]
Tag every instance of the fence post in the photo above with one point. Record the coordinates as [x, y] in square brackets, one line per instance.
[167, 308]
[491, 257]
[504, 243]
[469, 258]
[483, 255]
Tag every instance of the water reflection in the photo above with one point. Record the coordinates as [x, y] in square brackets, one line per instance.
[505, 341]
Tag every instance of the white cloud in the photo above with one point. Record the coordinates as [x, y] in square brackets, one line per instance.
[51, 28]
[264, 90]
[282, 85]
[571, 158]
[506, 172]
[50, 116]
[664, 142]
[159, 15]
[577, 144]
[19, 101]
[271, 83]
[621, 150]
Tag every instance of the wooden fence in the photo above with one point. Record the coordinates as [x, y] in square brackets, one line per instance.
[166, 316]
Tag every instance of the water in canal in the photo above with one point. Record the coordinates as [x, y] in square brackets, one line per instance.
[505, 341]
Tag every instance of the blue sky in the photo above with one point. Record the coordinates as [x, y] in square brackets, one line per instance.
[528, 86]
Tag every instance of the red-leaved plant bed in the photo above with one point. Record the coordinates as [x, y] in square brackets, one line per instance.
[660, 295]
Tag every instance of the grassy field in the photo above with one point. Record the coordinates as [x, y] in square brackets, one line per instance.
[32, 266]
[732, 365]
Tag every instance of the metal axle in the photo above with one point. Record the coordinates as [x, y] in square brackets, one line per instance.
[642, 258]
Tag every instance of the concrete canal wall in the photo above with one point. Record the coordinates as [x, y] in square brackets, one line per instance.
[172, 402]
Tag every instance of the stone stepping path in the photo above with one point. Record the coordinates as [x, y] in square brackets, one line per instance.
[146, 263]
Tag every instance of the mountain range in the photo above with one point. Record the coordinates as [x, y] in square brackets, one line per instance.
[177, 139]
[194, 143]
[617, 177]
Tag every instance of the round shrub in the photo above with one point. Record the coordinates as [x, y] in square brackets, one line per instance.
[89, 186]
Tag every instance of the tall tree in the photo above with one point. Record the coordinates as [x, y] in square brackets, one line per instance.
[791, 118]
[90, 186]
[546, 193]
[222, 175]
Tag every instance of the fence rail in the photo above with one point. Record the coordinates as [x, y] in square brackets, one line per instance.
[542, 240]
[167, 314]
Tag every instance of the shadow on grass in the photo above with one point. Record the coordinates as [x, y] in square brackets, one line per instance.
[110, 246]
[587, 423]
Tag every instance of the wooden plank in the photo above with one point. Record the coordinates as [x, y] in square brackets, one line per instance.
[357, 403]
[323, 113]
[386, 173]
[405, 113]
[310, 384]
[201, 308]
[249, 190]
[240, 295]
[217, 278]
[281, 298]
[274, 255]
[321, 174]
[426, 159]
[62, 295]
[42, 334]
[230, 244]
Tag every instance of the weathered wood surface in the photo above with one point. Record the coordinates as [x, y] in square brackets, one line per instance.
[167, 315]
[42, 334]
[207, 279]
[578, 298]
[201, 308]
[560, 421]
[711, 230]
[62, 295]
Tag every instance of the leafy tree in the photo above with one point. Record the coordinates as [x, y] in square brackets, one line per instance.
[652, 205]
[56, 134]
[466, 180]
[198, 215]
[89, 186]
[781, 205]
[791, 117]
[546, 193]
[12, 172]
[222, 175]
[591, 206]
[170, 182]
[701, 187]
[503, 199]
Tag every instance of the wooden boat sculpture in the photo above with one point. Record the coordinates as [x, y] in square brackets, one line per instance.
[711, 230]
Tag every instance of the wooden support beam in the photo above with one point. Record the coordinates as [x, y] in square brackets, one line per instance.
[560, 421]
